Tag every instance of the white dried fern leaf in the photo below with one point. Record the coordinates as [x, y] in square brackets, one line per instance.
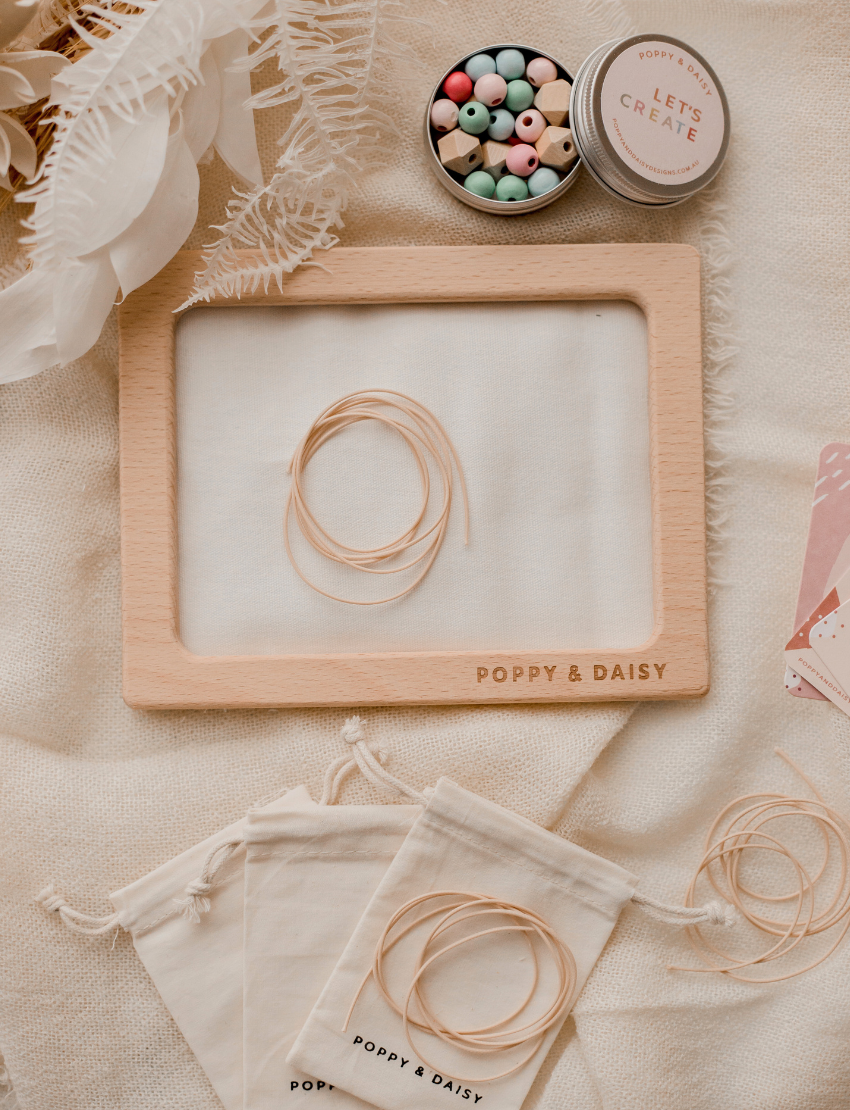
[335, 57]
[155, 48]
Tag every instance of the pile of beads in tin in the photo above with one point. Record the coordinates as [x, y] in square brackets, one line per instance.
[500, 125]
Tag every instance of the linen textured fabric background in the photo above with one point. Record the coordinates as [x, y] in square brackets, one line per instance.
[94, 794]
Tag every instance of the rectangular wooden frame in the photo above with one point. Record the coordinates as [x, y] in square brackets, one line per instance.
[662, 279]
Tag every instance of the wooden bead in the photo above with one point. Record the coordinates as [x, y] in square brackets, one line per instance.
[522, 160]
[555, 147]
[541, 70]
[511, 188]
[510, 64]
[542, 180]
[460, 152]
[530, 125]
[495, 156]
[480, 183]
[457, 87]
[553, 100]
[520, 96]
[474, 117]
[501, 124]
[444, 115]
[491, 89]
[478, 65]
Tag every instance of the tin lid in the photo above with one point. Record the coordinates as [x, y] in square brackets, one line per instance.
[649, 119]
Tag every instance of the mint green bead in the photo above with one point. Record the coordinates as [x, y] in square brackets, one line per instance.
[511, 188]
[480, 183]
[510, 64]
[474, 118]
[520, 96]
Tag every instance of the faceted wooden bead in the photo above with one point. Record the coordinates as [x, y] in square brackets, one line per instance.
[460, 152]
[511, 188]
[457, 87]
[491, 89]
[501, 124]
[520, 96]
[541, 70]
[510, 64]
[478, 65]
[444, 115]
[522, 160]
[530, 125]
[553, 100]
[555, 147]
[495, 158]
[480, 183]
[474, 117]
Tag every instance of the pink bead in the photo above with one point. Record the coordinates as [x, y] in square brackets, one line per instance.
[457, 86]
[522, 160]
[530, 125]
[491, 89]
[444, 115]
[540, 70]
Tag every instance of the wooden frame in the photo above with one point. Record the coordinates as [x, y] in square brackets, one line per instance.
[663, 280]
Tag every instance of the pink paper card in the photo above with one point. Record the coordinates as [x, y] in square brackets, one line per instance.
[827, 549]
[830, 638]
[803, 655]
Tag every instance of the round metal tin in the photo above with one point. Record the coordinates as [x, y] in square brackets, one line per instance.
[496, 207]
[635, 127]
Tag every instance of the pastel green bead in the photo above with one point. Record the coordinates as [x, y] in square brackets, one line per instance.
[510, 64]
[474, 117]
[520, 96]
[478, 65]
[511, 188]
[480, 183]
[541, 181]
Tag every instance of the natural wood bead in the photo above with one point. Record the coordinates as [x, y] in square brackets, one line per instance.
[553, 100]
[460, 152]
[494, 158]
[555, 147]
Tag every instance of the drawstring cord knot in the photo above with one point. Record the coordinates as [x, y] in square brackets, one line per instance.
[370, 760]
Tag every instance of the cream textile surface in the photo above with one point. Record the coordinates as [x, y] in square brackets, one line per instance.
[555, 459]
[94, 795]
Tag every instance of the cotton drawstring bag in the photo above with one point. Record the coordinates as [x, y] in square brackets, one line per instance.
[187, 917]
[194, 959]
[516, 917]
[308, 878]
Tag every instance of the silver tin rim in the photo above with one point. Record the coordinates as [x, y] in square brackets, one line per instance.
[596, 150]
[497, 207]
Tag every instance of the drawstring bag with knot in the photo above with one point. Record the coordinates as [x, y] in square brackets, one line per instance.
[467, 960]
[306, 952]
[187, 918]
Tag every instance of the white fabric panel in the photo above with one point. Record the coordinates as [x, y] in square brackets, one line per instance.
[546, 405]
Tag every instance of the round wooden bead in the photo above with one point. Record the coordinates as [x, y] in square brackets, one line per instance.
[522, 160]
[481, 183]
[514, 141]
[490, 89]
[541, 181]
[520, 95]
[530, 125]
[457, 87]
[511, 188]
[474, 117]
[510, 64]
[501, 125]
[444, 115]
[480, 64]
[539, 71]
